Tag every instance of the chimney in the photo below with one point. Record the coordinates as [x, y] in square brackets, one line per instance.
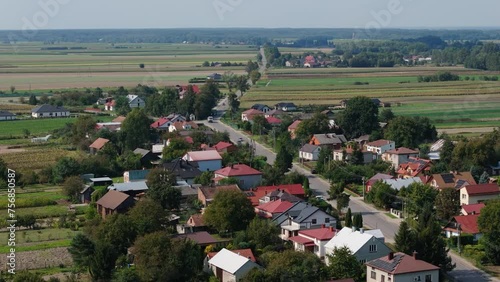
[415, 254]
[390, 256]
[361, 230]
[331, 228]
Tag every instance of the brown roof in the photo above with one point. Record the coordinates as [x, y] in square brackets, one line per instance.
[242, 252]
[113, 199]
[196, 220]
[402, 151]
[202, 238]
[119, 119]
[237, 170]
[294, 125]
[99, 143]
[209, 192]
[401, 263]
[449, 180]
[379, 143]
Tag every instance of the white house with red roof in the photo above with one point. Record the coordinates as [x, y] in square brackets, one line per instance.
[164, 123]
[247, 177]
[415, 167]
[472, 209]
[182, 125]
[400, 267]
[270, 209]
[258, 195]
[399, 156]
[248, 115]
[273, 121]
[207, 160]
[473, 194]
[313, 240]
[380, 146]
[463, 224]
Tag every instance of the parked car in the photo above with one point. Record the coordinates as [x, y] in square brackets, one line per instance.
[210, 119]
[313, 171]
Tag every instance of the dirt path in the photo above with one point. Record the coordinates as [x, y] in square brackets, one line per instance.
[6, 150]
[466, 130]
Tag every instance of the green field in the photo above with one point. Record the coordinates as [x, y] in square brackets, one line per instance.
[38, 126]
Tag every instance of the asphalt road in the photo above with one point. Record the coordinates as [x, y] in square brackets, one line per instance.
[372, 218]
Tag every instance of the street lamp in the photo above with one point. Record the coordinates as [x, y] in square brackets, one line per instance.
[364, 179]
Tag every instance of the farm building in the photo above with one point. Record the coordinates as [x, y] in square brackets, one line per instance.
[4, 115]
[49, 111]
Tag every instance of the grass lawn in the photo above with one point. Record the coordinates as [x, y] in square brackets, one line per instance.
[36, 159]
[40, 212]
[40, 235]
[34, 199]
[38, 246]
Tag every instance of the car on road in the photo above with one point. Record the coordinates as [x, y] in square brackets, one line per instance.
[210, 119]
[320, 197]
[313, 171]
[240, 140]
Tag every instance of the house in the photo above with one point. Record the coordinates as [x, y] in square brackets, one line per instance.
[247, 176]
[302, 216]
[135, 175]
[495, 169]
[310, 62]
[196, 223]
[86, 194]
[228, 266]
[225, 147]
[414, 167]
[364, 245]
[261, 107]
[309, 152]
[472, 209]
[450, 180]
[273, 121]
[49, 111]
[110, 105]
[399, 156]
[129, 188]
[274, 113]
[164, 123]
[272, 208]
[248, 115]
[400, 267]
[261, 194]
[114, 202]
[215, 76]
[146, 156]
[313, 240]
[207, 160]
[398, 183]
[463, 224]
[435, 149]
[289, 64]
[375, 178]
[474, 194]
[380, 146]
[347, 153]
[100, 181]
[362, 140]
[206, 194]
[97, 145]
[5, 115]
[135, 101]
[286, 106]
[201, 238]
[329, 140]
[183, 170]
[280, 194]
[293, 127]
[182, 125]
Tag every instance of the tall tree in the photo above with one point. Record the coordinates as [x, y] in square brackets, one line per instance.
[343, 201]
[177, 148]
[122, 107]
[234, 103]
[241, 83]
[447, 203]
[284, 161]
[318, 124]
[72, 187]
[147, 216]
[386, 115]
[263, 233]
[343, 264]
[230, 211]
[136, 129]
[410, 131]
[357, 220]
[348, 218]
[405, 238]
[255, 76]
[416, 196]
[360, 117]
[489, 225]
[229, 78]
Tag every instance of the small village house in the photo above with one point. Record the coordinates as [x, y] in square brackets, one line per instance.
[182, 125]
[247, 177]
[228, 266]
[293, 127]
[463, 224]
[474, 194]
[375, 178]
[5, 115]
[248, 115]
[346, 154]
[471, 209]
[380, 146]
[86, 194]
[135, 101]
[272, 208]
[261, 107]
[98, 145]
[450, 180]
[206, 194]
[183, 170]
[399, 156]
[414, 167]
[225, 147]
[206, 160]
[114, 202]
[309, 152]
[49, 111]
[400, 267]
[286, 106]
[333, 140]
[313, 240]
[130, 188]
[147, 157]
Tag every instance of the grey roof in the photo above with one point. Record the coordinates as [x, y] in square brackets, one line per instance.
[387, 266]
[6, 114]
[48, 109]
[308, 148]
[101, 179]
[183, 169]
[129, 186]
[283, 195]
[399, 183]
[142, 152]
[330, 138]
[306, 213]
[285, 104]
[293, 212]
[259, 107]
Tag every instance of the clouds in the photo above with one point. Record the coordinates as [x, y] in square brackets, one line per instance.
[77, 14]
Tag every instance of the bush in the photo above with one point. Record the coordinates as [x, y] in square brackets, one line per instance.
[475, 252]
[465, 239]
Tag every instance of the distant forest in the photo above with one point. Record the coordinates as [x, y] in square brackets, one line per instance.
[287, 36]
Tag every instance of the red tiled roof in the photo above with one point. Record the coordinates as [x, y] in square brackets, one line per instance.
[273, 120]
[253, 112]
[222, 145]
[473, 209]
[379, 143]
[401, 151]
[277, 206]
[111, 103]
[401, 263]
[99, 143]
[242, 252]
[119, 119]
[300, 240]
[468, 223]
[196, 220]
[189, 139]
[159, 122]
[237, 170]
[322, 234]
[294, 189]
[294, 125]
[483, 189]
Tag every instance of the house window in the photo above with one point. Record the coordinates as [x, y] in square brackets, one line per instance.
[327, 220]
[389, 279]
[373, 275]
[417, 278]
[373, 248]
[316, 249]
[464, 196]
[314, 221]
[428, 278]
[362, 260]
[382, 278]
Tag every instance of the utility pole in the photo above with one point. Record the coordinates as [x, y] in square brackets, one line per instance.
[458, 240]
[364, 179]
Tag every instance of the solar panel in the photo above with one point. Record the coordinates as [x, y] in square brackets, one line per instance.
[448, 177]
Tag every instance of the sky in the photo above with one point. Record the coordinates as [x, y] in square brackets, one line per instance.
[98, 14]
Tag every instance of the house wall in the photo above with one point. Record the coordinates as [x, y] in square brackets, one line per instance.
[8, 118]
[338, 156]
[248, 181]
[309, 156]
[364, 254]
[211, 165]
[137, 103]
[382, 149]
[396, 160]
[50, 115]
[465, 199]
[407, 277]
